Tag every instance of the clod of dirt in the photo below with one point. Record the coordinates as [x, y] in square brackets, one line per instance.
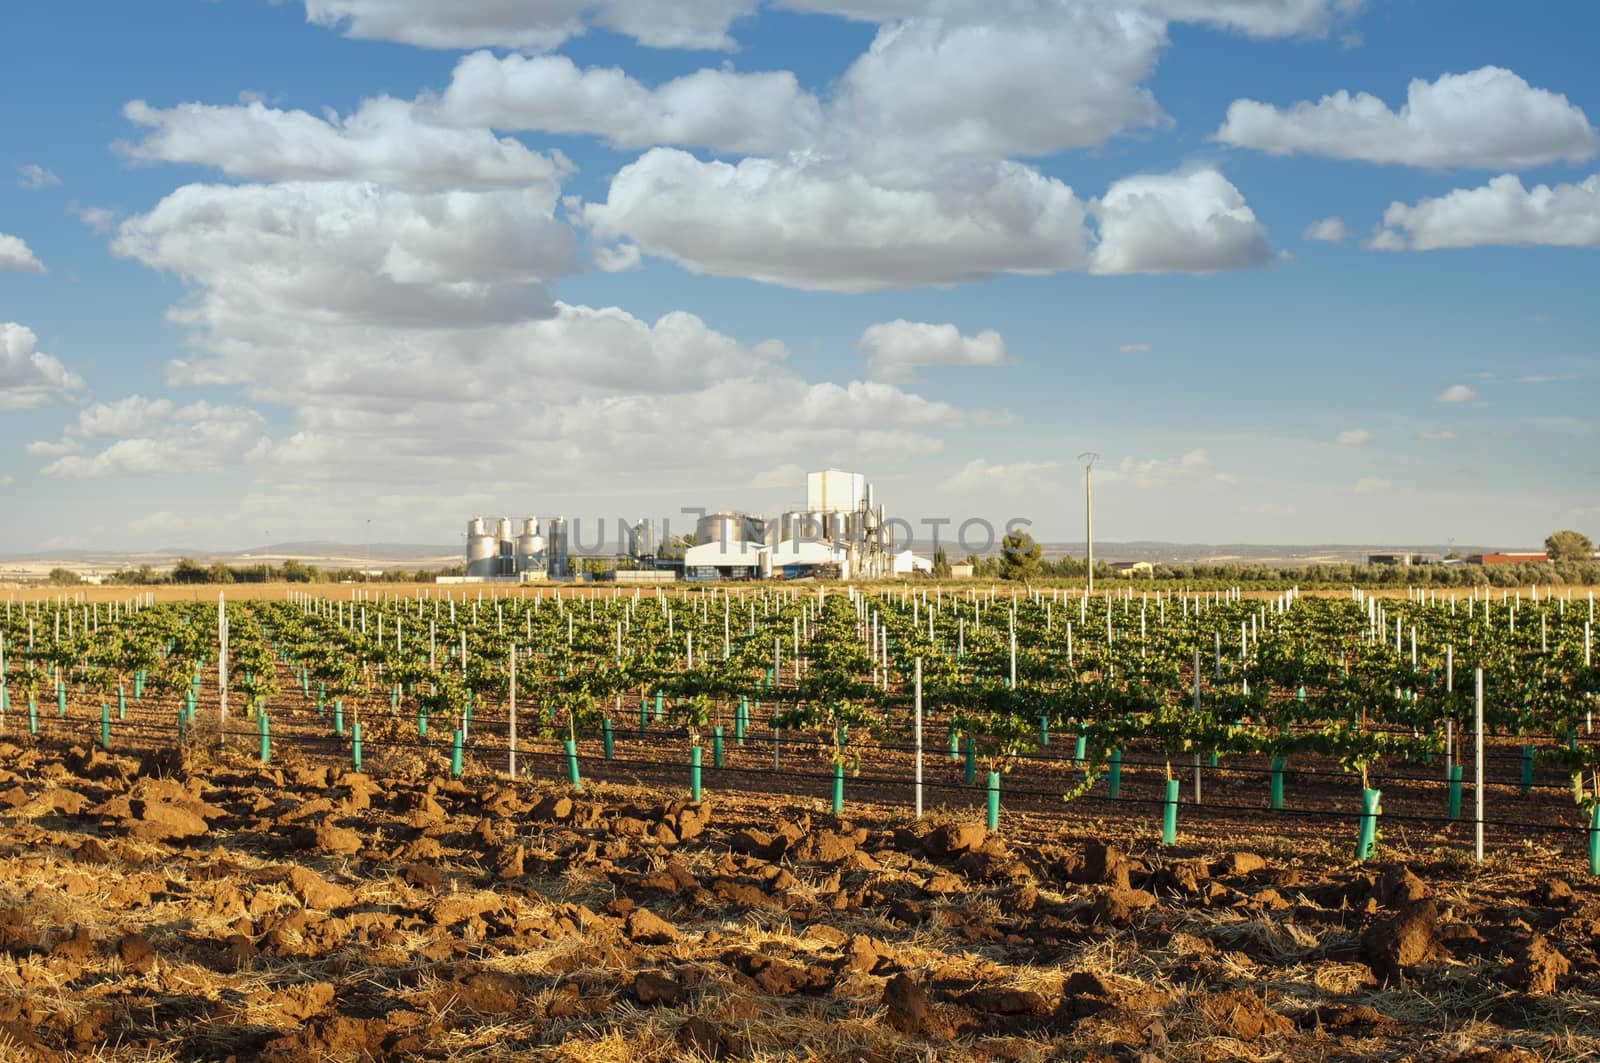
[1404, 940]
[1554, 891]
[1102, 863]
[315, 891]
[76, 949]
[157, 821]
[425, 876]
[487, 993]
[1090, 984]
[92, 851]
[651, 988]
[337, 1037]
[907, 1003]
[509, 861]
[1241, 863]
[1117, 906]
[704, 1037]
[298, 1003]
[1241, 1015]
[1400, 887]
[998, 1001]
[644, 927]
[1539, 965]
[554, 808]
[953, 839]
[138, 955]
[327, 838]
[237, 953]
[864, 954]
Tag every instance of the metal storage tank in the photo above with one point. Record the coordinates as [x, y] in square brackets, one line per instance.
[481, 548]
[641, 540]
[719, 528]
[556, 545]
[755, 528]
[530, 547]
[502, 529]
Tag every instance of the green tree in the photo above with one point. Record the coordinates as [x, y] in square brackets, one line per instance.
[941, 564]
[1569, 545]
[188, 571]
[1019, 556]
[64, 577]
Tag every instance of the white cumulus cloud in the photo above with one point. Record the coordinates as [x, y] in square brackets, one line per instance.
[382, 142]
[829, 227]
[1488, 118]
[718, 109]
[896, 349]
[1194, 468]
[1258, 18]
[982, 475]
[532, 26]
[35, 176]
[1456, 393]
[17, 256]
[1328, 230]
[1353, 437]
[1500, 213]
[194, 438]
[355, 251]
[1193, 222]
[29, 377]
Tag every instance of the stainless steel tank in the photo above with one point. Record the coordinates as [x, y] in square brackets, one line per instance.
[530, 547]
[719, 528]
[556, 547]
[482, 548]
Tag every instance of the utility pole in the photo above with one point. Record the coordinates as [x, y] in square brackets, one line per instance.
[1088, 457]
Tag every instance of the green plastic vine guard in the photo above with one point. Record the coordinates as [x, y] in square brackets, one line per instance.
[694, 774]
[1277, 784]
[741, 719]
[61, 698]
[1169, 814]
[182, 722]
[338, 718]
[1114, 783]
[955, 746]
[644, 716]
[572, 765]
[355, 746]
[1370, 811]
[716, 746]
[1044, 729]
[1455, 792]
[606, 738]
[1527, 768]
[262, 728]
[838, 789]
[1594, 840]
[422, 722]
[33, 717]
[660, 707]
[122, 704]
[992, 819]
[969, 769]
[455, 754]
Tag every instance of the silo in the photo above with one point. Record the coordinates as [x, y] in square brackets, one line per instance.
[481, 548]
[556, 547]
[641, 540]
[530, 548]
[721, 527]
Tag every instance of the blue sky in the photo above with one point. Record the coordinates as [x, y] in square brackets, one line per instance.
[1298, 270]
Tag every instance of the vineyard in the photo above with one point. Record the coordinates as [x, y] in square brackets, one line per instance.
[1456, 730]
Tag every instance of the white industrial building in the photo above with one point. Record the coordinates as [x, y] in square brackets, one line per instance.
[839, 533]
